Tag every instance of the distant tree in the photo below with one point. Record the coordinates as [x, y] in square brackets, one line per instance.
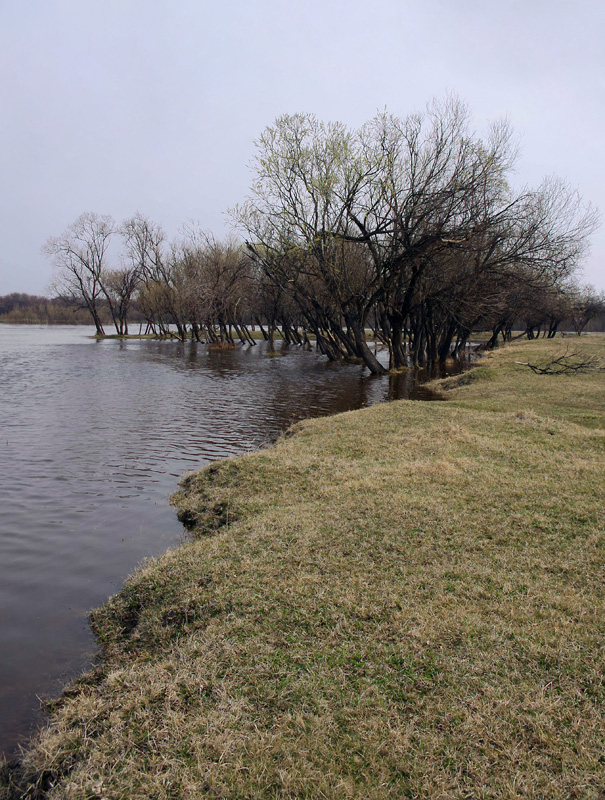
[586, 304]
[79, 256]
[19, 308]
[19, 300]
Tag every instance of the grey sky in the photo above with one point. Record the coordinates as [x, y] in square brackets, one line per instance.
[153, 105]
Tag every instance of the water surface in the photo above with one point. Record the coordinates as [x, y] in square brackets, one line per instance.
[94, 436]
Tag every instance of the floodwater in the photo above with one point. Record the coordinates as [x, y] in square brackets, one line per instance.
[94, 437]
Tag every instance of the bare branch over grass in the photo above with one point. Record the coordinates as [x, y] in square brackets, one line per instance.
[569, 362]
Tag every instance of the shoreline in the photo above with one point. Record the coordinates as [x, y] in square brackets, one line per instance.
[330, 600]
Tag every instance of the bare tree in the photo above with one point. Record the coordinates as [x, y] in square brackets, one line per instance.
[151, 257]
[79, 256]
[295, 223]
[120, 286]
[585, 304]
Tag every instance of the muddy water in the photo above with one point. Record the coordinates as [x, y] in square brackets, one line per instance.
[93, 439]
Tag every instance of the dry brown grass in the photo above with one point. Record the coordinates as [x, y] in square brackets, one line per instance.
[405, 601]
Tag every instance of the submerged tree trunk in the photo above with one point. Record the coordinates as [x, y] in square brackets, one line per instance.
[397, 355]
[361, 346]
[445, 345]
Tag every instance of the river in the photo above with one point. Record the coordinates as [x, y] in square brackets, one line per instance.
[94, 438]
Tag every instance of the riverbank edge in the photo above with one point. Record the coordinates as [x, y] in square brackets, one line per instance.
[210, 503]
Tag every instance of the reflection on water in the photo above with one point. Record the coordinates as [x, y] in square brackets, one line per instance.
[94, 437]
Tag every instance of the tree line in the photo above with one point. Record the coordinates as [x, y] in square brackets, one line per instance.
[407, 228]
[22, 308]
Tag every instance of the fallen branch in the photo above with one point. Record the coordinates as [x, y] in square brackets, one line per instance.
[566, 364]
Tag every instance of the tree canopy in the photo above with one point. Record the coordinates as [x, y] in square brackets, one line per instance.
[407, 226]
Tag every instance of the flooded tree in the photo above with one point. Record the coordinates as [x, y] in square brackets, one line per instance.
[119, 287]
[79, 256]
[296, 223]
[406, 227]
[150, 256]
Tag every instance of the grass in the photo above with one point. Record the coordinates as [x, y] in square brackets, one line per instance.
[403, 601]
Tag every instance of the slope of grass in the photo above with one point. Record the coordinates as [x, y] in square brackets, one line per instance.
[404, 601]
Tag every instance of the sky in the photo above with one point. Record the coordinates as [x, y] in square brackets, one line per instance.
[119, 106]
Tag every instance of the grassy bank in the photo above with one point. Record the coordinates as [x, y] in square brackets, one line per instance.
[405, 601]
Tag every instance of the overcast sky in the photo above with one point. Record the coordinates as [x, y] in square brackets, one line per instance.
[117, 106]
